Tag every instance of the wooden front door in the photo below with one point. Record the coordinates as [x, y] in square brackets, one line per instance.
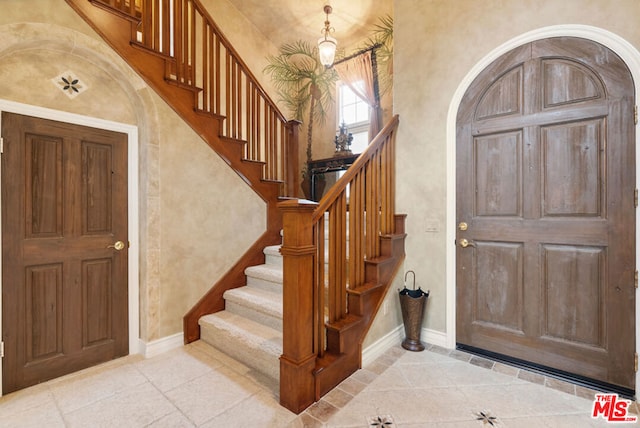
[64, 282]
[545, 187]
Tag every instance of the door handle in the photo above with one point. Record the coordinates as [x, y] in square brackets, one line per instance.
[118, 245]
[465, 243]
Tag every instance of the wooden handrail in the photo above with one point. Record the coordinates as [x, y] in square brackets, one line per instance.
[334, 273]
[129, 9]
[340, 186]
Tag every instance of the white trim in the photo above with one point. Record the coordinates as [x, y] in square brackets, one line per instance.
[434, 337]
[159, 346]
[133, 214]
[629, 55]
[395, 337]
[380, 346]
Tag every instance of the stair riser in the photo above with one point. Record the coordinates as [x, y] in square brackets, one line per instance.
[262, 284]
[274, 260]
[250, 313]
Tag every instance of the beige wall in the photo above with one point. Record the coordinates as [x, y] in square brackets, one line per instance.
[437, 43]
[187, 238]
[187, 194]
[184, 219]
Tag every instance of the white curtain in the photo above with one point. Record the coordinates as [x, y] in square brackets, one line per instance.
[360, 68]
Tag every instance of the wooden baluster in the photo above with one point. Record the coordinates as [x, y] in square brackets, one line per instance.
[235, 102]
[355, 235]
[247, 110]
[193, 44]
[331, 273]
[392, 179]
[375, 197]
[270, 149]
[320, 289]
[292, 174]
[177, 37]
[342, 255]
[206, 48]
[217, 75]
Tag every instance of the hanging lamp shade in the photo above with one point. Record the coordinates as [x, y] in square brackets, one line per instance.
[327, 49]
[327, 44]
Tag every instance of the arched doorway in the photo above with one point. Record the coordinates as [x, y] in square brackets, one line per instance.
[545, 166]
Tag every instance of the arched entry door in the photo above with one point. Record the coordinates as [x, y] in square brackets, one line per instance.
[546, 212]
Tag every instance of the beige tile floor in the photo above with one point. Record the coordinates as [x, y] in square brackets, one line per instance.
[198, 386]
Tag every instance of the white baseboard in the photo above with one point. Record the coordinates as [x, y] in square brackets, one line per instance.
[379, 347]
[373, 351]
[395, 337]
[434, 337]
[164, 344]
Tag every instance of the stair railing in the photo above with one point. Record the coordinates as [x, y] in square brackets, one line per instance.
[360, 209]
[199, 57]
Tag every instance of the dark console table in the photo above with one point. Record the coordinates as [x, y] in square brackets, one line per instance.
[322, 166]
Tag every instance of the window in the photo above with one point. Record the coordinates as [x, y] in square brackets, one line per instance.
[353, 111]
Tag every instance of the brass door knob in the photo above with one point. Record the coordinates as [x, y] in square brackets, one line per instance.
[464, 243]
[119, 245]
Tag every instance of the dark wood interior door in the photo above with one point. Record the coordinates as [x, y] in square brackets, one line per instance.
[64, 277]
[545, 185]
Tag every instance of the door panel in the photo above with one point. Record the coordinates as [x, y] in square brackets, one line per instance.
[64, 194]
[574, 294]
[546, 177]
[498, 172]
[499, 285]
[574, 161]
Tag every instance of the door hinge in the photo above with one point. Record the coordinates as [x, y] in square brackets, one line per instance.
[635, 115]
[635, 198]
[1, 145]
[636, 279]
[635, 362]
[1, 349]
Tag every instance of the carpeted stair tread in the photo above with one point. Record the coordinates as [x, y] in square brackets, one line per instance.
[267, 276]
[253, 344]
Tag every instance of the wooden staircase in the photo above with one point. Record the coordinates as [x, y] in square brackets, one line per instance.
[326, 312]
[179, 51]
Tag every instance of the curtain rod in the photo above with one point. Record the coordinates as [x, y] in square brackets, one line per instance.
[345, 59]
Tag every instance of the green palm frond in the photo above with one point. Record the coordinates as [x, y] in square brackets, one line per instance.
[294, 72]
[303, 83]
[383, 31]
[382, 35]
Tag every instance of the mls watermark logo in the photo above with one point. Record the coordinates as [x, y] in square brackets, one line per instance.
[612, 409]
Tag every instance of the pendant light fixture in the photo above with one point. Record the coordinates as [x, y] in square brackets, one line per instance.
[327, 44]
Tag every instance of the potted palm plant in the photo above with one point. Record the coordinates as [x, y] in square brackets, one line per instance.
[305, 87]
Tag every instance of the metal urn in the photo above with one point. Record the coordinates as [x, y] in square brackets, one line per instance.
[412, 303]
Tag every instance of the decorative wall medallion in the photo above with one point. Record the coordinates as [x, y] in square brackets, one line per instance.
[69, 84]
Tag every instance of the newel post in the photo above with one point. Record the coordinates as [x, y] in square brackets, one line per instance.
[297, 382]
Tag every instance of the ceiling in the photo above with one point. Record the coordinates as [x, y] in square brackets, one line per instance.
[285, 21]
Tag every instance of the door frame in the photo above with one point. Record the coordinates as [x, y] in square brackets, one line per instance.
[133, 205]
[629, 54]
